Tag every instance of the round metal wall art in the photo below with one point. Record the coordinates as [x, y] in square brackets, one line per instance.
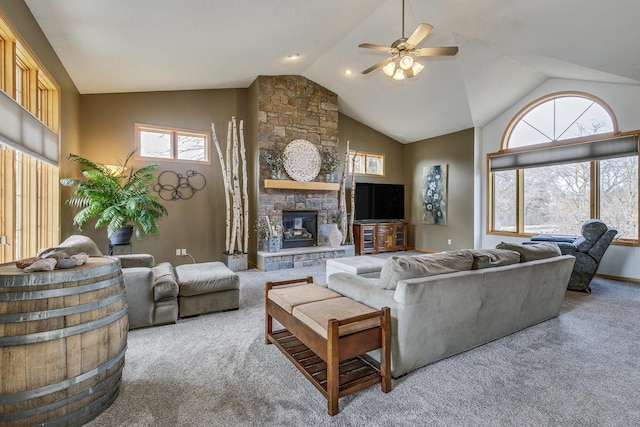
[302, 161]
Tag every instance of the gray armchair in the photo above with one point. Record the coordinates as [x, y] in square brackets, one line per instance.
[152, 290]
[589, 248]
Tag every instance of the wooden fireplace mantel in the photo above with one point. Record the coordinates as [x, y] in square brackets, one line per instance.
[286, 184]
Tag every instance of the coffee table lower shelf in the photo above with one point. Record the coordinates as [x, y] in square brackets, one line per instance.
[355, 373]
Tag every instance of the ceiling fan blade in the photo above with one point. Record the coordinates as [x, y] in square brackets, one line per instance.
[375, 46]
[436, 51]
[378, 65]
[419, 34]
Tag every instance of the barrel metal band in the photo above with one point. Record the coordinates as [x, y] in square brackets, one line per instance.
[62, 292]
[114, 377]
[88, 411]
[52, 388]
[59, 312]
[64, 332]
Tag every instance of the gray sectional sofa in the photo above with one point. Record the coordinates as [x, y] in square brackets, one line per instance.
[446, 303]
[158, 294]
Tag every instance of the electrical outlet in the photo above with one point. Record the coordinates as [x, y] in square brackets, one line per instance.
[178, 252]
[449, 241]
[184, 252]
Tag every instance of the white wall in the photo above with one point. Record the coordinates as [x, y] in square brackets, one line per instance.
[624, 100]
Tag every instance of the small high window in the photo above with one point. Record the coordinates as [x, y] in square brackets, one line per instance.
[158, 142]
[366, 163]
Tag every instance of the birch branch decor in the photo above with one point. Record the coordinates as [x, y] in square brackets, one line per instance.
[234, 177]
[342, 200]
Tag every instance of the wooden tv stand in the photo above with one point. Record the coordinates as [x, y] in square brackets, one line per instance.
[384, 236]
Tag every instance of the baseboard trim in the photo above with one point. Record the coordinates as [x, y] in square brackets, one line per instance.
[621, 278]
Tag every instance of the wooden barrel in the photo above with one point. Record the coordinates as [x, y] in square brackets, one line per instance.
[63, 336]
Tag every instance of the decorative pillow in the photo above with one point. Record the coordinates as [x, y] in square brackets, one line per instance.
[486, 258]
[73, 245]
[409, 267]
[533, 252]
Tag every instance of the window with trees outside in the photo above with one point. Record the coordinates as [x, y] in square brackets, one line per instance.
[29, 183]
[563, 161]
[166, 143]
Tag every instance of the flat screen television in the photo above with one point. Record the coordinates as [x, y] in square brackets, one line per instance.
[377, 202]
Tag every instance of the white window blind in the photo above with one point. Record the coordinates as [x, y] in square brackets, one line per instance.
[568, 153]
[23, 131]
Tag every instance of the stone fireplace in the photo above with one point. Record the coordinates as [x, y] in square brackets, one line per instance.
[289, 108]
[299, 229]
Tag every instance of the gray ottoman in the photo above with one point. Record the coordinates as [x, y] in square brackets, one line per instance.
[365, 266]
[207, 287]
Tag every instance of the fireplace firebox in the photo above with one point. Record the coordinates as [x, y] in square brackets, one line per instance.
[300, 229]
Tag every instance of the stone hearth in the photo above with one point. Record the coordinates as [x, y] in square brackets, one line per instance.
[301, 257]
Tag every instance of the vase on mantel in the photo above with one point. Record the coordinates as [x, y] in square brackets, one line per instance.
[335, 236]
[331, 177]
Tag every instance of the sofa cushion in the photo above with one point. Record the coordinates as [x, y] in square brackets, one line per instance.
[533, 252]
[316, 315]
[399, 267]
[486, 258]
[205, 277]
[165, 285]
[288, 297]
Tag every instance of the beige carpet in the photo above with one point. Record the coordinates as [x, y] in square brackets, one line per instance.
[579, 369]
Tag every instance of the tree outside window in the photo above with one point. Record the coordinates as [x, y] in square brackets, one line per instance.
[558, 198]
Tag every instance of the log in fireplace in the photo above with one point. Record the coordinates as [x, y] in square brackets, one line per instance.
[300, 229]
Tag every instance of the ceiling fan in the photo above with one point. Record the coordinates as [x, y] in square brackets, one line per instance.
[401, 64]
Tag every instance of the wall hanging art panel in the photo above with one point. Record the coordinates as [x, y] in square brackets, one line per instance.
[434, 195]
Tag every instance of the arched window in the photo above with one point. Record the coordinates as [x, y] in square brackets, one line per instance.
[563, 161]
[560, 117]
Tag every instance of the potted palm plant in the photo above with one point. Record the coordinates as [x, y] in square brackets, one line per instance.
[120, 198]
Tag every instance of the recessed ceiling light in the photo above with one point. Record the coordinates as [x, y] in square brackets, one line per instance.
[293, 56]
[348, 72]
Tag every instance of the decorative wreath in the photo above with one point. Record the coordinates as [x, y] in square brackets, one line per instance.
[302, 161]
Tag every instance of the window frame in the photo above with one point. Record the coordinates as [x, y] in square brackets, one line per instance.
[174, 133]
[30, 187]
[519, 184]
[365, 156]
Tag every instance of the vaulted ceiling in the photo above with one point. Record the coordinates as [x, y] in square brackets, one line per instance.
[506, 49]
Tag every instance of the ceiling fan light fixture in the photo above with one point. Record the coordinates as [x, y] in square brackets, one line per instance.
[406, 62]
[399, 74]
[389, 69]
[416, 68]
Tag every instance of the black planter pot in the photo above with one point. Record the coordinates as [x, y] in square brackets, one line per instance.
[121, 235]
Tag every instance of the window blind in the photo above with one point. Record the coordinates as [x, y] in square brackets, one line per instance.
[570, 153]
[23, 131]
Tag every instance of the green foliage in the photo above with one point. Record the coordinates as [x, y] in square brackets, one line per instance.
[329, 161]
[275, 157]
[116, 198]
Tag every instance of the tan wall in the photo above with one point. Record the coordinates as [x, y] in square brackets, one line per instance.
[363, 138]
[455, 150]
[20, 16]
[107, 134]
[100, 127]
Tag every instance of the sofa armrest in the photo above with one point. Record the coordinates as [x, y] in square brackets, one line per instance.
[165, 284]
[568, 248]
[136, 260]
[138, 283]
[368, 291]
